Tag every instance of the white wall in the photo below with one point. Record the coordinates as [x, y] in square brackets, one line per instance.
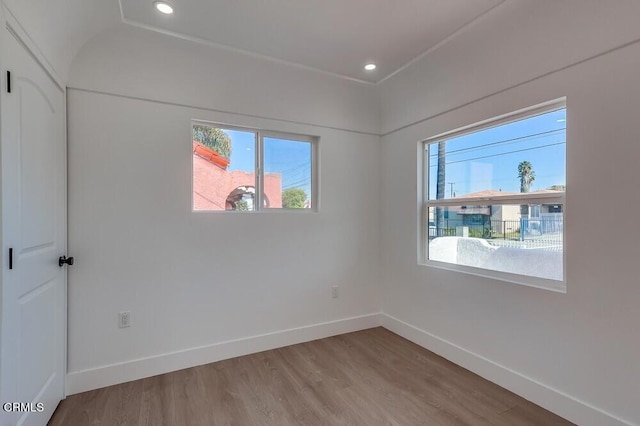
[196, 280]
[139, 248]
[518, 41]
[130, 61]
[60, 28]
[569, 352]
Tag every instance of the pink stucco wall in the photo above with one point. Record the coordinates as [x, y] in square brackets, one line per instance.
[212, 185]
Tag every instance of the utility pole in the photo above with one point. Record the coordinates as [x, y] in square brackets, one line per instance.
[451, 193]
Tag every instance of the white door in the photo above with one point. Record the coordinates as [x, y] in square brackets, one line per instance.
[33, 339]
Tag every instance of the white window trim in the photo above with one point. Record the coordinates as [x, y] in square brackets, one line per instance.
[524, 198]
[260, 134]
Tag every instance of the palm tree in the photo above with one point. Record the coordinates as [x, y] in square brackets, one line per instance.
[440, 188]
[526, 174]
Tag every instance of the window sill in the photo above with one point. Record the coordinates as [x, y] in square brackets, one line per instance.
[542, 283]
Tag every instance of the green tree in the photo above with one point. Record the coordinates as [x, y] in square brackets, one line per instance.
[214, 138]
[241, 206]
[526, 174]
[293, 198]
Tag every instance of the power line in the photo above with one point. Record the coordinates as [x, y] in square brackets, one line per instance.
[505, 141]
[503, 153]
[302, 182]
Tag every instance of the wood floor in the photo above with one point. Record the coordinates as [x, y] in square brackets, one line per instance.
[371, 377]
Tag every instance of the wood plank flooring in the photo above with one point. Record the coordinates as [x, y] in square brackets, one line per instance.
[371, 377]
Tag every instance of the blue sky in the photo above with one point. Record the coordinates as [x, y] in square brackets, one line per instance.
[243, 150]
[289, 158]
[489, 159]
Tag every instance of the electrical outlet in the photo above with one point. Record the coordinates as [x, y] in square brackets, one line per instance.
[124, 319]
[334, 292]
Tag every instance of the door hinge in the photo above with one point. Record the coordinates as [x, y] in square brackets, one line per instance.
[10, 258]
[8, 81]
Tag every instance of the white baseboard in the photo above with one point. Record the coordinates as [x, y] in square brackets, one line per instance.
[553, 400]
[81, 381]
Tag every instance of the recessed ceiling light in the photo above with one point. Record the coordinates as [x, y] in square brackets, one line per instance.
[163, 7]
[370, 67]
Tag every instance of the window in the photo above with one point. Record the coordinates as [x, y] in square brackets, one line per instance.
[494, 197]
[251, 170]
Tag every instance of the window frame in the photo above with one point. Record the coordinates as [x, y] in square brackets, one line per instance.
[259, 135]
[524, 198]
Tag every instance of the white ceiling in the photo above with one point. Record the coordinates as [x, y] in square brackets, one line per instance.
[61, 27]
[334, 36]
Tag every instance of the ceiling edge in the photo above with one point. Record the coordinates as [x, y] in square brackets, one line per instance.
[464, 27]
[237, 50]
[210, 43]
